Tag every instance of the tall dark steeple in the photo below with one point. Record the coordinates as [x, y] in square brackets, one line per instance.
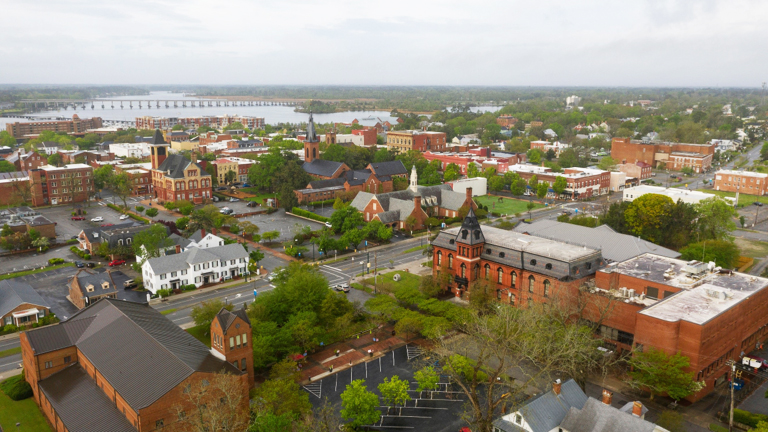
[311, 143]
[470, 232]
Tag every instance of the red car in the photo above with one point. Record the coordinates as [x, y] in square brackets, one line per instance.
[116, 263]
[78, 218]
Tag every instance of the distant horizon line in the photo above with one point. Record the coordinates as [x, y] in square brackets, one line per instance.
[396, 86]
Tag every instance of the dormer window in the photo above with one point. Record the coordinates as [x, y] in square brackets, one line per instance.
[452, 241]
[501, 254]
[89, 288]
[518, 419]
[464, 234]
[477, 234]
[105, 285]
[488, 251]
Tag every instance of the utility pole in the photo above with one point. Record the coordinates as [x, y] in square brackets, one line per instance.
[733, 382]
[375, 269]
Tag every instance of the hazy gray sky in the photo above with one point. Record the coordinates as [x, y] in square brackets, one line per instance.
[445, 42]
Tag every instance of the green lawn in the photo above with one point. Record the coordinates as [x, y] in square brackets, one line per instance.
[406, 279]
[29, 272]
[752, 248]
[201, 333]
[414, 249]
[360, 287]
[744, 199]
[169, 311]
[10, 352]
[25, 412]
[259, 198]
[508, 206]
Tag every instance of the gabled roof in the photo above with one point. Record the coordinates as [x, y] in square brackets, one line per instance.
[388, 168]
[596, 416]
[470, 232]
[322, 167]
[80, 404]
[85, 278]
[157, 138]
[175, 165]
[320, 184]
[13, 294]
[614, 246]
[545, 412]
[184, 260]
[140, 352]
[227, 318]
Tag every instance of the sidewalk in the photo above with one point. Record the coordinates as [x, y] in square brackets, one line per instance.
[223, 285]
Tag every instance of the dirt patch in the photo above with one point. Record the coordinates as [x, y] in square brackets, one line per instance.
[752, 248]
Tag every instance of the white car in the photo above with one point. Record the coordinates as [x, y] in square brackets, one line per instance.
[97, 219]
[234, 199]
[328, 225]
[124, 217]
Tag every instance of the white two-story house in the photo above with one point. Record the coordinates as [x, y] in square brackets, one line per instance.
[195, 266]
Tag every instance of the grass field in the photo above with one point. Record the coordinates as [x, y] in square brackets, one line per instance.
[744, 199]
[10, 352]
[752, 248]
[406, 279]
[169, 311]
[201, 333]
[508, 206]
[29, 272]
[259, 195]
[24, 412]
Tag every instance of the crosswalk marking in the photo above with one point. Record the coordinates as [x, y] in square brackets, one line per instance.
[315, 388]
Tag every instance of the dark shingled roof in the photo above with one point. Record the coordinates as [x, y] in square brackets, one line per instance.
[176, 164]
[13, 294]
[141, 353]
[388, 168]
[86, 278]
[80, 404]
[157, 138]
[321, 167]
[545, 412]
[596, 416]
[226, 318]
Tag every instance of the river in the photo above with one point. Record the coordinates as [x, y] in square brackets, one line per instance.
[272, 114]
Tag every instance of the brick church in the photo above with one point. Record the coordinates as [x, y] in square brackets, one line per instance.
[175, 177]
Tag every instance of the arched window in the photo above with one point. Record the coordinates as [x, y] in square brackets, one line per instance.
[512, 299]
[546, 288]
[450, 261]
[514, 279]
[476, 272]
[487, 271]
[314, 153]
[463, 270]
[439, 257]
[500, 275]
[128, 240]
[498, 294]
[531, 282]
[120, 242]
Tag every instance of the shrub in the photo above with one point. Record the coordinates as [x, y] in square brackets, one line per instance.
[182, 222]
[186, 210]
[138, 218]
[748, 418]
[10, 328]
[139, 209]
[151, 212]
[80, 253]
[17, 388]
[189, 287]
[309, 215]
[54, 261]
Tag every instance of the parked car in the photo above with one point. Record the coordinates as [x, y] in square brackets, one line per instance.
[234, 199]
[246, 185]
[252, 204]
[124, 217]
[220, 188]
[342, 287]
[758, 203]
[97, 219]
[328, 225]
[79, 264]
[130, 283]
[117, 262]
[78, 218]
[226, 210]
[215, 199]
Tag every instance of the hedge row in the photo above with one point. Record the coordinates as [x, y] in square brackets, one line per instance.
[82, 254]
[138, 218]
[17, 388]
[54, 261]
[748, 418]
[114, 207]
[328, 201]
[309, 215]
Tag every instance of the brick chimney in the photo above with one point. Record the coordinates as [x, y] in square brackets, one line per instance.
[417, 203]
[607, 397]
[637, 408]
[178, 249]
[202, 233]
[469, 193]
[556, 387]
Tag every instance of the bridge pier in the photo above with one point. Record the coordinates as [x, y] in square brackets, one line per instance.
[184, 104]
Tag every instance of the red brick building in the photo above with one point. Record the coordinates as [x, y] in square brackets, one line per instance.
[462, 160]
[394, 208]
[375, 178]
[176, 178]
[76, 126]
[61, 185]
[522, 268]
[672, 156]
[708, 314]
[217, 122]
[369, 135]
[507, 121]
[746, 182]
[639, 170]
[580, 182]
[403, 141]
[24, 161]
[141, 176]
[123, 367]
[85, 156]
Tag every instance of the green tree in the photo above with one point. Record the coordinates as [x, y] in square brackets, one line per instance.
[560, 184]
[154, 240]
[383, 155]
[6, 166]
[673, 421]
[568, 158]
[452, 172]
[661, 373]
[41, 243]
[204, 313]
[269, 236]
[346, 218]
[352, 237]
[152, 212]
[230, 177]
[122, 186]
[7, 140]
[550, 154]
[534, 156]
[533, 181]
[472, 170]
[395, 391]
[496, 183]
[102, 176]
[178, 127]
[762, 426]
[646, 214]
[724, 253]
[427, 378]
[607, 163]
[206, 218]
[359, 405]
[256, 256]
[518, 187]
[542, 189]
[55, 159]
[281, 394]
[181, 223]
[716, 218]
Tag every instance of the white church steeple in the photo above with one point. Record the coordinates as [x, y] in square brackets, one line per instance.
[414, 180]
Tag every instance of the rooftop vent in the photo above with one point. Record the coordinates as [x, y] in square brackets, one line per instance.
[718, 294]
[695, 268]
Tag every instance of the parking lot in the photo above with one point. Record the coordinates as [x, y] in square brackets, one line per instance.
[440, 413]
[66, 228]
